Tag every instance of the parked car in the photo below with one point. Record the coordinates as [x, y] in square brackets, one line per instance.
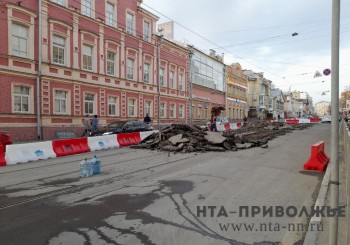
[123, 127]
[326, 119]
[5, 139]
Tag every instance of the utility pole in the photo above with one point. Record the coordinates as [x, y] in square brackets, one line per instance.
[158, 47]
[333, 231]
[38, 77]
[190, 87]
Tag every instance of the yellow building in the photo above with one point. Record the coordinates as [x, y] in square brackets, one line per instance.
[236, 92]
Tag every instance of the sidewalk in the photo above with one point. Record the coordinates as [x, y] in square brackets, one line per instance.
[323, 236]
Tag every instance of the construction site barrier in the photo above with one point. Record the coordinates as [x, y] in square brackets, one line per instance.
[220, 127]
[70, 146]
[235, 126]
[103, 142]
[2, 156]
[20, 153]
[227, 126]
[128, 139]
[318, 159]
[314, 120]
[304, 120]
[145, 134]
[292, 121]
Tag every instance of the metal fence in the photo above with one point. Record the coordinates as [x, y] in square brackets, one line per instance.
[345, 148]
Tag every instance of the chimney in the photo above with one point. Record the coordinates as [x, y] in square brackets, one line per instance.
[223, 56]
[212, 53]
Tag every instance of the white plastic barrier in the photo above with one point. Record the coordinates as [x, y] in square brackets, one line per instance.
[29, 152]
[103, 142]
[220, 127]
[304, 120]
[235, 126]
[145, 134]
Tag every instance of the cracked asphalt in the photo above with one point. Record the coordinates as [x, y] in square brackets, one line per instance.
[150, 197]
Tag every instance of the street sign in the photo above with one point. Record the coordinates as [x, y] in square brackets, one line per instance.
[326, 72]
[317, 74]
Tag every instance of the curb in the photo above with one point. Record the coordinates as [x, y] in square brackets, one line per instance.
[311, 235]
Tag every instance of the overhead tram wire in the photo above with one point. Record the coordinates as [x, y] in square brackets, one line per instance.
[272, 73]
[275, 27]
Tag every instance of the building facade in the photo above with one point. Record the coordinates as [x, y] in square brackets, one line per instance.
[323, 108]
[96, 59]
[236, 92]
[344, 107]
[259, 91]
[276, 105]
[207, 85]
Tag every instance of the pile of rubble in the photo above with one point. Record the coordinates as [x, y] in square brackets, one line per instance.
[189, 138]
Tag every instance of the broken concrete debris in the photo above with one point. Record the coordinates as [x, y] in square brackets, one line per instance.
[190, 138]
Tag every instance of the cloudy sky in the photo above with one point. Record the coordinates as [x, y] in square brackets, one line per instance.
[259, 35]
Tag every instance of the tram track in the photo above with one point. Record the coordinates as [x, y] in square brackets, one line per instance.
[87, 185]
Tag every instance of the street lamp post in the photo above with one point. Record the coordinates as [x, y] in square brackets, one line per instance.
[158, 49]
[190, 85]
[334, 183]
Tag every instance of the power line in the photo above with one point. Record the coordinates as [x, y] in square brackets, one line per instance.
[274, 27]
[272, 73]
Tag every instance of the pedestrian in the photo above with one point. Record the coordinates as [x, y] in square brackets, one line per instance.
[213, 124]
[86, 125]
[147, 119]
[94, 124]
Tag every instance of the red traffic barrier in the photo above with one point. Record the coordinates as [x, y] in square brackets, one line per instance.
[315, 119]
[227, 126]
[128, 139]
[2, 156]
[318, 159]
[292, 121]
[70, 146]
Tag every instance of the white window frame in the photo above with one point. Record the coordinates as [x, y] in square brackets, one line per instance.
[86, 66]
[199, 112]
[130, 25]
[162, 110]
[112, 104]
[130, 68]
[111, 64]
[30, 24]
[162, 77]
[132, 107]
[22, 96]
[60, 2]
[61, 101]
[90, 102]
[181, 111]
[180, 85]
[148, 107]
[110, 14]
[146, 31]
[59, 46]
[172, 79]
[15, 36]
[88, 10]
[172, 110]
[146, 72]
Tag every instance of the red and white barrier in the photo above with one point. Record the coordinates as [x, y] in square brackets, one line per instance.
[103, 142]
[2, 156]
[29, 152]
[301, 120]
[21, 153]
[228, 126]
[144, 135]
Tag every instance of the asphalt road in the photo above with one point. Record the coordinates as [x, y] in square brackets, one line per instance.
[149, 197]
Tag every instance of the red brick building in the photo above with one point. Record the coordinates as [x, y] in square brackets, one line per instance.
[98, 58]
